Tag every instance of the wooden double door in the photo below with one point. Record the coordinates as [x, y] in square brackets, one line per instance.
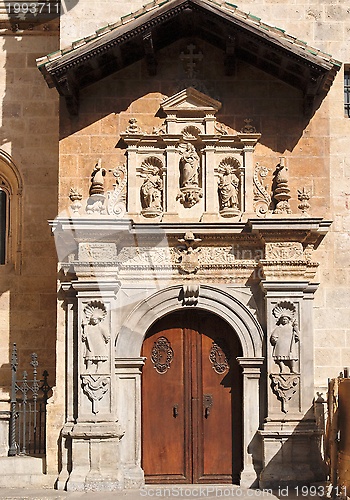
[191, 401]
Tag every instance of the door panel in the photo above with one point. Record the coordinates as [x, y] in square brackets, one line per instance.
[191, 423]
[164, 408]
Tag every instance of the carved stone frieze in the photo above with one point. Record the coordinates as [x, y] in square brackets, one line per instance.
[95, 387]
[262, 199]
[285, 386]
[150, 256]
[97, 252]
[162, 355]
[284, 250]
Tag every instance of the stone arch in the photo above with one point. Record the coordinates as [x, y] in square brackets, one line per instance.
[210, 298]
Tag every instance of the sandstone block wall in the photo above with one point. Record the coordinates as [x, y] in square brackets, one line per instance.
[29, 134]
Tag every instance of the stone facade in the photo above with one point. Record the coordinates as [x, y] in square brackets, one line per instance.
[218, 190]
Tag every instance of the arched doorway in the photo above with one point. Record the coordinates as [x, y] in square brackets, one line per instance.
[191, 400]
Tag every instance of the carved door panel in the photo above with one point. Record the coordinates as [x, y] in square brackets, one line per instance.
[191, 401]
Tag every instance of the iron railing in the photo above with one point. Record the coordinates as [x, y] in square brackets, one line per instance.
[28, 410]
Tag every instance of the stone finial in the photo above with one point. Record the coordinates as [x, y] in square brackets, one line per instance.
[281, 189]
[75, 197]
[248, 128]
[133, 128]
[97, 179]
[304, 196]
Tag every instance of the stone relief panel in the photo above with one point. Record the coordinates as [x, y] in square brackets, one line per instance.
[285, 340]
[284, 251]
[95, 337]
[285, 337]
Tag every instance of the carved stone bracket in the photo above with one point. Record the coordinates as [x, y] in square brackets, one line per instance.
[285, 386]
[190, 294]
[95, 387]
[116, 199]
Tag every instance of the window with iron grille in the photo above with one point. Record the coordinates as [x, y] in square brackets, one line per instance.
[347, 91]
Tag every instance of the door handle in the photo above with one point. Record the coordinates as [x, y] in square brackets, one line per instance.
[175, 410]
[207, 404]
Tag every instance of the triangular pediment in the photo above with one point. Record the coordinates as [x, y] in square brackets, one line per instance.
[189, 100]
[142, 34]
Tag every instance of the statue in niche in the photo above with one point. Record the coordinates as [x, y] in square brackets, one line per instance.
[189, 166]
[285, 337]
[95, 335]
[190, 191]
[228, 190]
[151, 191]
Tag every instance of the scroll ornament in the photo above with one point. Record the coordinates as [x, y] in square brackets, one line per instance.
[95, 387]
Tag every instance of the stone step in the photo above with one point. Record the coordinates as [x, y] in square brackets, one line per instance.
[21, 471]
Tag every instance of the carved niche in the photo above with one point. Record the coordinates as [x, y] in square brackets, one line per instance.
[229, 187]
[189, 166]
[151, 191]
[95, 335]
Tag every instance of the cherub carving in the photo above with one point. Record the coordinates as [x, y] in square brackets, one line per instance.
[94, 335]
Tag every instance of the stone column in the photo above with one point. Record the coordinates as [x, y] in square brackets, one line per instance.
[91, 433]
[128, 393]
[290, 436]
[172, 180]
[210, 184]
[251, 420]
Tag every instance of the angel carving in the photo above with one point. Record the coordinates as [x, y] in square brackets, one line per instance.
[285, 337]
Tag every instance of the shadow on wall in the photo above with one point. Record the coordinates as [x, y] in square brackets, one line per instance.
[294, 457]
[276, 109]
